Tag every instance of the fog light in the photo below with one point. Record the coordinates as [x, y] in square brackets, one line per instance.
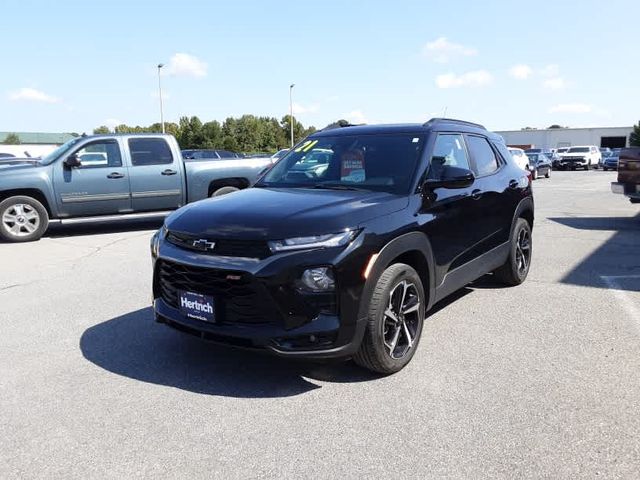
[319, 279]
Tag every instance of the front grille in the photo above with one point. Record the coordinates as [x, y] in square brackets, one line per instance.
[223, 247]
[239, 297]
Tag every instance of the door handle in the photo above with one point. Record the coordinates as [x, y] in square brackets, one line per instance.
[476, 194]
[115, 175]
[513, 184]
[168, 172]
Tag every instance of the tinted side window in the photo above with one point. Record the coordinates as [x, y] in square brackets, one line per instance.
[149, 151]
[448, 150]
[483, 156]
[103, 153]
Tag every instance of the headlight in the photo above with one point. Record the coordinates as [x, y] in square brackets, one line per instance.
[316, 241]
[318, 279]
[155, 241]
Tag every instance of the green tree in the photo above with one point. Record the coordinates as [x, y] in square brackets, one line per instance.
[634, 137]
[212, 133]
[298, 129]
[101, 129]
[12, 139]
[555, 125]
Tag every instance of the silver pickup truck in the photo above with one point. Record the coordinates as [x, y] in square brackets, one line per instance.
[108, 177]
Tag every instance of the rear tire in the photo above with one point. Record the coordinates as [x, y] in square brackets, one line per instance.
[224, 191]
[22, 219]
[516, 268]
[394, 321]
[534, 174]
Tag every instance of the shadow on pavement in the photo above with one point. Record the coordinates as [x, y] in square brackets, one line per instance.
[62, 231]
[618, 257]
[135, 346]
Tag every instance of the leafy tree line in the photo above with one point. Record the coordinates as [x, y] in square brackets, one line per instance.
[634, 138]
[248, 133]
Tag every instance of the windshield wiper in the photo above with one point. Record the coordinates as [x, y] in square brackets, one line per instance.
[337, 186]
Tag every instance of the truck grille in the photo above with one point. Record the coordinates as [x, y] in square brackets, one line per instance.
[223, 247]
[239, 297]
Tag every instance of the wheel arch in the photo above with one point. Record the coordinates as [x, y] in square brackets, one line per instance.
[237, 182]
[28, 192]
[412, 248]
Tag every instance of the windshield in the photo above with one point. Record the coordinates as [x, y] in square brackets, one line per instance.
[58, 152]
[360, 162]
[578, 150]
[562, 150]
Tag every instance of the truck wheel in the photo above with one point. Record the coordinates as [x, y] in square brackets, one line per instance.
[224, 191]
[23, 219]
[516, 268]
[394, 321]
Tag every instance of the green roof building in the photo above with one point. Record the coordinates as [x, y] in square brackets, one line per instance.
[38, 138]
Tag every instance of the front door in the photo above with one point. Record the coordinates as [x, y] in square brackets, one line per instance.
[449, 216]
[99, 186]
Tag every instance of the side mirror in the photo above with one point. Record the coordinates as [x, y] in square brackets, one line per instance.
[72, 161]
[451, 177]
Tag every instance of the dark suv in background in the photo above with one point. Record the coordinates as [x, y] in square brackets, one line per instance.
[344, 259]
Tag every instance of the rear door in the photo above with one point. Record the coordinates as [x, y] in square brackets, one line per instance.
[99, 186]
[490, 205]
[155, 175]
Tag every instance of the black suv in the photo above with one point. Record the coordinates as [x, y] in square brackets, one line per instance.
[342, 255]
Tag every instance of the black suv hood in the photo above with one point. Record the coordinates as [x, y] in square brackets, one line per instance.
[270, 213]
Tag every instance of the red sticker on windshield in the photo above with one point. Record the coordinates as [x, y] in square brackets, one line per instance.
[352, 166]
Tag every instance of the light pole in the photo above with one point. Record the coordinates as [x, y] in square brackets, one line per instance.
[160, 65]
[291, 110]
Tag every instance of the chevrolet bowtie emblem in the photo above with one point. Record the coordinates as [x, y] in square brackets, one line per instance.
[203, 244]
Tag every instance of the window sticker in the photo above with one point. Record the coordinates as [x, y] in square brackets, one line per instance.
[415, 140]
[299, 149]
[352, 167]
[308, 147]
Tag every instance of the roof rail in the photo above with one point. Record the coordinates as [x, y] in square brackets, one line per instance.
[453, 120]
[333, 125]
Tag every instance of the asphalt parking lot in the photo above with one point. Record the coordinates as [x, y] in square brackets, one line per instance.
[535, 381]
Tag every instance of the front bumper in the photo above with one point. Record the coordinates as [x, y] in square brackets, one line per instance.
[629, 190]
[258, 305]
[317, 339]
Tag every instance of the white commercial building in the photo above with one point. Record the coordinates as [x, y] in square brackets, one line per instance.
[612, 137]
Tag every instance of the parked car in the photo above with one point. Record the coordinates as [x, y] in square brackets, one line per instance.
[519, 157]
[604, 150]
[209, 154]
[7, 155]
[346, 263]
[538, 150]
[539, 164]
[610, 160]
[109, 177]
[279, 154]
[628, 182]
[582, 156]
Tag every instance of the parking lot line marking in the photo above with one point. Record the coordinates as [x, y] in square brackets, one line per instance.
[628, 305]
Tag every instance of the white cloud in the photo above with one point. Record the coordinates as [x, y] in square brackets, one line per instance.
[477, 78]
[571, 108]
[556, 83]
[183, 64]
[442, 50]
[355, 117]
[300, 109]
[521, 71]
[33, 95]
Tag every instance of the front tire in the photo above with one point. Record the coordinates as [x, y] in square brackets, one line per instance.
[548, 174]
[394, 321]
[516, 268]
[534, 174]
[224, 191]
[22, 219]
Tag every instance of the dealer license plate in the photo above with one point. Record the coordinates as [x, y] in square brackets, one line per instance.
[198, 306]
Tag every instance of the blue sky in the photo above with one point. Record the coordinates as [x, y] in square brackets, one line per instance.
[71, 66]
